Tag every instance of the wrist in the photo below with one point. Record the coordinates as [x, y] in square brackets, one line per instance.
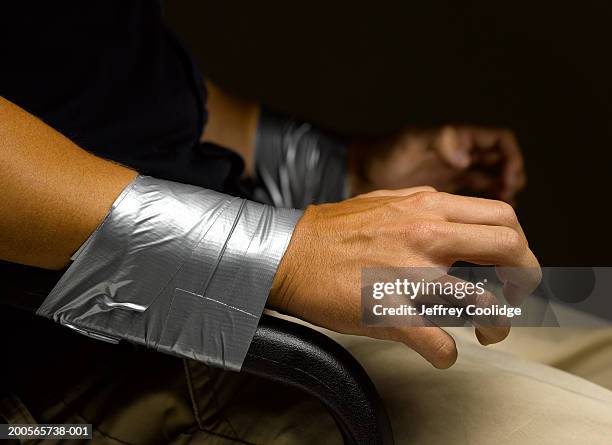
[297, 164]
[283, 295]
[172, 267]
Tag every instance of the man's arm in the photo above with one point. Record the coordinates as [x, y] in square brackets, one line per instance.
[54, 194]
[161, 249]
[232, 123]
[455, 158]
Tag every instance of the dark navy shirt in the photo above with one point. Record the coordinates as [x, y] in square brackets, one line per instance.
[110, 76]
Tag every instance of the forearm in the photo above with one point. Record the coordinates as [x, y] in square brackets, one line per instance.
[272, 145]
[232, 123]
[169, 266]
[54, 193]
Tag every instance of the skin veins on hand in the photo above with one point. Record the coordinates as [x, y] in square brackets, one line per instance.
[47, 217]
[415, 227]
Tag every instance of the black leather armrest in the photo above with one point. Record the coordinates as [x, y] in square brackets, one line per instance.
[281, 351]
[301, 357]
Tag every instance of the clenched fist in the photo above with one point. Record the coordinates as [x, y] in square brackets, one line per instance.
[463, 158]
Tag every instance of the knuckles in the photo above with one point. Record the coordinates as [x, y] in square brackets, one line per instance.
[424, 200]
[423, 232]
[509, 240]
[506, 214]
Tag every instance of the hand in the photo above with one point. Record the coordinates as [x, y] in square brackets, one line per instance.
[467, 159]
[318, 279]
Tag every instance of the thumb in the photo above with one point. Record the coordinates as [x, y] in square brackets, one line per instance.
[453, 147]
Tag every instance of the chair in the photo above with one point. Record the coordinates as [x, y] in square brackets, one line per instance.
[284, 352]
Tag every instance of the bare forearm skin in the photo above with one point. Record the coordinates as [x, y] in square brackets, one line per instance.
[232, 123]
[53, 194]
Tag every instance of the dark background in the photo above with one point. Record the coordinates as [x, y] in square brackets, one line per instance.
[544, 70]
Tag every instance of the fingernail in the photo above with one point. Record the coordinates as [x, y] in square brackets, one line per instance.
[482, 338]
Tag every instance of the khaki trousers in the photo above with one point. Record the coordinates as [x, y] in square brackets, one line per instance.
[505, 394]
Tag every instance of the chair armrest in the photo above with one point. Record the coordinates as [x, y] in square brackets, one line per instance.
[298, 356]
[281, 351]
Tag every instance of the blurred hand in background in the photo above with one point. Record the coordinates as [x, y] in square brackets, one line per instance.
[464, 159]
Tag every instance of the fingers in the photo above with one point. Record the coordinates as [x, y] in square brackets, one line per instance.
[503, 247]
[464, 146]
[453, 147]
[481, 244]
[441, 229]
[488, 158]
[434, 344]
[503, 141]
[469, 210]
[519, 282]
[481, 231]
[520, 271]
[422, 335]
[491, 335]
[489, 328]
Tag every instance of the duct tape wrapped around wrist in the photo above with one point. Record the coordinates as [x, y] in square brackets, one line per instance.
[297, 164]
[177, 268]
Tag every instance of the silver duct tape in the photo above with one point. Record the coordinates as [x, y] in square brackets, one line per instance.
[177, 268]
[297, 164]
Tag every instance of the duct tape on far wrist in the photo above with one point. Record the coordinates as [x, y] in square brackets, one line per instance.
[176, 268]
[298, 164]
